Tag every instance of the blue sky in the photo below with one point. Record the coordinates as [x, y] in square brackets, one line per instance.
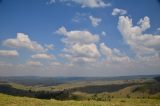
[79, 38]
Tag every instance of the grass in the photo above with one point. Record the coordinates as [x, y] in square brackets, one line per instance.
[7, 100]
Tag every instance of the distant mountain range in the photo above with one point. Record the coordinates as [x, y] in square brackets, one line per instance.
[47, 81]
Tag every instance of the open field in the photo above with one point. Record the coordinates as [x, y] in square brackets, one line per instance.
[7, 100]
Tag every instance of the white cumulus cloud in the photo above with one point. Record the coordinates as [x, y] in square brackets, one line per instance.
[23, 41]
[85, 50]
[77, 36]
[79, 45]
[117, 11]
[95, 21]
[142, 43]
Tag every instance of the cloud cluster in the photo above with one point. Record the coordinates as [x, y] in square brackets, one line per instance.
[85, 3]
[95, 21]
[143, 44]
[23, 41]
[117, 11]
[79, 45]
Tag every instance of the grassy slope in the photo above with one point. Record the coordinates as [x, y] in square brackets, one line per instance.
[7, 100]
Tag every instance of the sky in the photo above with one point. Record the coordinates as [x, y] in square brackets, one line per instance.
[79, 37]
